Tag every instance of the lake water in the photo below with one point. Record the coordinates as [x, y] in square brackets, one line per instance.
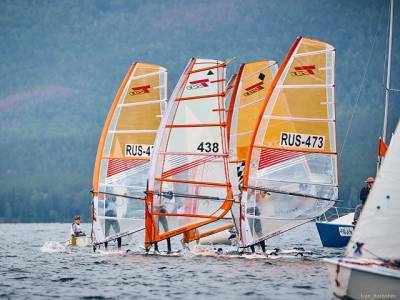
[35, 263]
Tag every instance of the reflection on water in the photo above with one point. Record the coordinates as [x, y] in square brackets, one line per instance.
[35, 263]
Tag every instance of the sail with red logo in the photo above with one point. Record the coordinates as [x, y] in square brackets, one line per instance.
[290, 174]
[220, 231]
[189, 183]
[123, 155]
[246, 100]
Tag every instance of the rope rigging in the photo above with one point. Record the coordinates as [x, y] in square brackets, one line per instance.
[340, 156]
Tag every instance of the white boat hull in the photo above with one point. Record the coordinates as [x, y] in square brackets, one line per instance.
[363, 279]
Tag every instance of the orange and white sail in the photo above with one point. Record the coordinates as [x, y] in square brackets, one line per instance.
[246, 99]
[124, 151]
[218, 231]
[290, 175]
[189, 182]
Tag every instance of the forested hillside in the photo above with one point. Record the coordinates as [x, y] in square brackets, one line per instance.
[61, 63]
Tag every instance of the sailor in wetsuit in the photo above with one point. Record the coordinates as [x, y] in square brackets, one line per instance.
[363, 197]
[163, 210]
[111, 211]
[255, 223]
[76, 229]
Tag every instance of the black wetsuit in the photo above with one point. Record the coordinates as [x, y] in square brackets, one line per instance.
[363, 197]
[364, 194]
[163, 219]
[111, 212]
[255, 222]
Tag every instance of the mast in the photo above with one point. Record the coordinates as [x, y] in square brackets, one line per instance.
[387, 88]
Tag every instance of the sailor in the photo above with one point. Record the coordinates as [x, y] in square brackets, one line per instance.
[111, 211]
[232, 233]
[167, 197]
[76, 229]
[260, 196]
[363, 197]
[255, 222]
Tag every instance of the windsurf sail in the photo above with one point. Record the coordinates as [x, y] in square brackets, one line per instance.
[246, 98]
[123, 155]
[189, 182]
[222, 224]
[290, 173]
[377, 231]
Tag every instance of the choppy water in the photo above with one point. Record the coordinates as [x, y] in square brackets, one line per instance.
[34, 263]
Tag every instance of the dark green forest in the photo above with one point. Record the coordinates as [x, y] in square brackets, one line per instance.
[61, 62]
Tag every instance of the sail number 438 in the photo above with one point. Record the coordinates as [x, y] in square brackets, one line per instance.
[297, 140]
[208, 147]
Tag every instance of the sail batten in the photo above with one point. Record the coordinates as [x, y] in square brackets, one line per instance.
[208, 183]
[272, 117]
[293, 149]
[145, 76]
[142, 103]
[312, 53]
[200, 97]
[249, 104]
[305, 86]
[132, 131]
[194, 153]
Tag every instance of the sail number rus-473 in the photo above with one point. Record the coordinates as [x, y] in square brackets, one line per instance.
[297, 140]
[138, 150]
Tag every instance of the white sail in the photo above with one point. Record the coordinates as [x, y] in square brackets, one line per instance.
[377, 235]
[189, 183]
